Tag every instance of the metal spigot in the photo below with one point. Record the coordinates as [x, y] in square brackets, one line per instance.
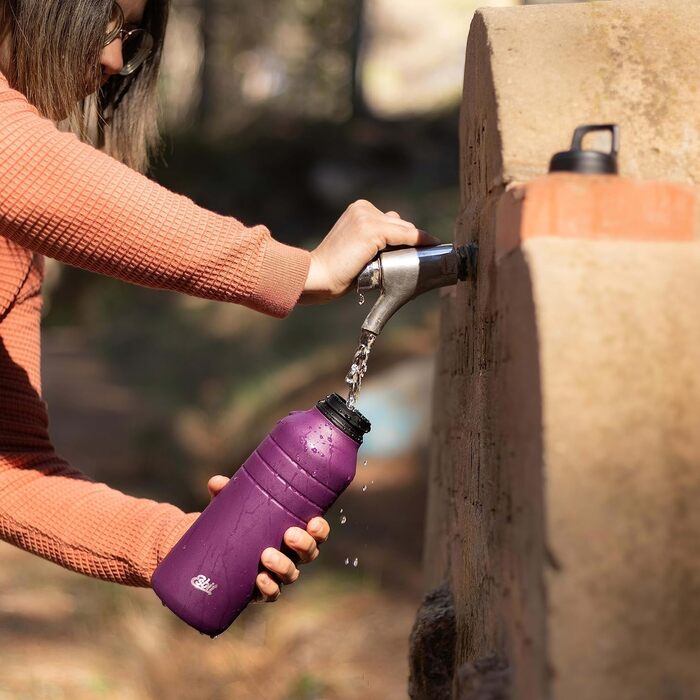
[402, 275]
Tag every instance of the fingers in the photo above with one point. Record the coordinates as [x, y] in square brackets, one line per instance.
[268, 587]
[393, 232]
[389, 227]
[280, 565]
[319, 529]
[305, 543]
[359, 234]
[302, 543]
[216, 484]
[411, 236]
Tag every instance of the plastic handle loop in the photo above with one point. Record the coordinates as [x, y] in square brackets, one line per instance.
[582, 131]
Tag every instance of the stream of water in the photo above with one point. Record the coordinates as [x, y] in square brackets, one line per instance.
[359, 367]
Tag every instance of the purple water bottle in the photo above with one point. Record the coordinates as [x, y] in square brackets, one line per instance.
[296, 473]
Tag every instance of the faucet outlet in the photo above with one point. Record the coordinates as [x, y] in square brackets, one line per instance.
[402, 275]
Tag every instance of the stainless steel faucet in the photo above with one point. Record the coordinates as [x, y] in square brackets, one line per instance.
[402, 275]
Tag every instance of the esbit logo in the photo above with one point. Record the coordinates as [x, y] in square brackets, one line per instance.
[202, 583]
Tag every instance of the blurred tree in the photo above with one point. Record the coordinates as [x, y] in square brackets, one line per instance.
[206, 104]
[359, 106]
[299, 58]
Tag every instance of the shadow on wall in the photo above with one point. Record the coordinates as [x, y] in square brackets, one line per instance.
[485, 551]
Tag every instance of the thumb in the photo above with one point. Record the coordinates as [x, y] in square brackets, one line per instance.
[216, 484]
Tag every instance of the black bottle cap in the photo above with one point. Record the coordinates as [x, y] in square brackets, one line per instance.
[350, 421]
[578, 160]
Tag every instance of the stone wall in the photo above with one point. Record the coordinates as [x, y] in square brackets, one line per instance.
[566, 450]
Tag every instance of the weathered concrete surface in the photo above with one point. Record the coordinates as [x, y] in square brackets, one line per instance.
[535, 73]
[485, 520]
[485, 679]
[432, 647]
[619, 346]
[566, 469]
[566, 453]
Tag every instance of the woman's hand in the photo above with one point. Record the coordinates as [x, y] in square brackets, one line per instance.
[279, 566]
[360, 233]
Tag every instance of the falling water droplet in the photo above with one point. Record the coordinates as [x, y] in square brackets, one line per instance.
[356, 562]
[362, 299]
[347, 560]
[343, 520]
[364, 464]
[364, 488]
[341, 510]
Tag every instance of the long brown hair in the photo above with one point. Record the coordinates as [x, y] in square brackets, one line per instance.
[55, 50]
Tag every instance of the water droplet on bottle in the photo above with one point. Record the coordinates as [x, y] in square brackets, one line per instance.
[343, 520]
[347, 560]
[356, 562]
[364, 488]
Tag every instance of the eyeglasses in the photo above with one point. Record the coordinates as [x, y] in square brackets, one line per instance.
[137, 44]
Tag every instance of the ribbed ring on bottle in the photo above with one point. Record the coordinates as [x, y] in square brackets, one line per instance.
[291, 499]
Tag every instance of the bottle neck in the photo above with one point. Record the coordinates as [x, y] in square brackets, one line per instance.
[350, 421]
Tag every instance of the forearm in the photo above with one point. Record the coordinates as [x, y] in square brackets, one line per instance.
[54, 511]
[46, 506]
[66, 200]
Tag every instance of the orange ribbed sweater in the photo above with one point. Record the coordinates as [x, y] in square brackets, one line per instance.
[62, 198]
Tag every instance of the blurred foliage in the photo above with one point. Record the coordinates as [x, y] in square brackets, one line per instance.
[68, 637]
[296, 57]
[210, 377]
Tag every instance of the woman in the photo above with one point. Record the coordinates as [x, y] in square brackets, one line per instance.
[93, 64]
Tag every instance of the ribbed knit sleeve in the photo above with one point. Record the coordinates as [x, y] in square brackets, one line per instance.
[47, 506]
[64, 199]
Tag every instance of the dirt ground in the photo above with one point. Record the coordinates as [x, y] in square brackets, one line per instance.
[341, 633]
[336, 637]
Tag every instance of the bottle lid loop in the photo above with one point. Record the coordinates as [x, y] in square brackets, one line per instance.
[579, 160]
